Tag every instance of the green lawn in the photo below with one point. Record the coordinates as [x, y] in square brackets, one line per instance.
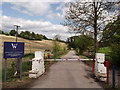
[105, 50]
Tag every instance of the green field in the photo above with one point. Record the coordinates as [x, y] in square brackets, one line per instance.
[106, 51]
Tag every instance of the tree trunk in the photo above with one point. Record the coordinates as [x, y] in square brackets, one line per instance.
[95, 28]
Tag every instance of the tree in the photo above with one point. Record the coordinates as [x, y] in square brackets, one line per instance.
[38, 37]
[111, 33]
[13, 32]
[81, 43]
[44, 37]
[115, 54]
[89, 18]
[33, 35]
[57, 46]
[1, 32]
[26, 34]
[111, 38]
[57, 38]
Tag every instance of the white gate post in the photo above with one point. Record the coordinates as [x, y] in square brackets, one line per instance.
[100, 69]
[37, 65]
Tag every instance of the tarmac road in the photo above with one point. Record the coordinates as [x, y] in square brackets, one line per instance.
[67, 74]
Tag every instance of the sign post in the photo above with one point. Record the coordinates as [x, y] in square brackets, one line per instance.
[13, 50]
[20, 68]
[5, 67]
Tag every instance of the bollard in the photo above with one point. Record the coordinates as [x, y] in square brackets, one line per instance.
[113, 76]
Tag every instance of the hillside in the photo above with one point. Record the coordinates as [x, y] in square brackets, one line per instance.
[30, 45]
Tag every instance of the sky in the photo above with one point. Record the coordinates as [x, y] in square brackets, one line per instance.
[39, 16]
[42, 17]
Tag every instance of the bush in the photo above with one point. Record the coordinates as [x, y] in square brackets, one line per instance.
[26, 66]
[115, 54]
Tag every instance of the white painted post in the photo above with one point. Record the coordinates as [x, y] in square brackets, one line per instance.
[100, 69]
[37, 65]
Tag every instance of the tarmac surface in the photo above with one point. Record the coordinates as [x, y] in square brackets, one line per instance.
[67, 74]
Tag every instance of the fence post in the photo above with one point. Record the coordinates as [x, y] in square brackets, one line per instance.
[113, 76]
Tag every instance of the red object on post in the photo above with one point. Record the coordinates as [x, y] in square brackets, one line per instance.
[49, 56]
[107, 64]
[93, 65]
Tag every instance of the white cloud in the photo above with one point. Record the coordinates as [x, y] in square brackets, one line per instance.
[31, 8]
[52, 15]
[38, 7]
[37, 0]
[41, 27]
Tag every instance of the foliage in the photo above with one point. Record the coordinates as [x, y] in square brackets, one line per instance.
[111, 34]
[82, 43]
[57, 38]
[6, 33]
[115, 54]
[105, 50]
[32, 36]
[10, 71]
[58, 48]
[1, 32]
[26, 66]
[111, 38]
[25, 34]
[31, 55]
[13, 32]
[88, 18]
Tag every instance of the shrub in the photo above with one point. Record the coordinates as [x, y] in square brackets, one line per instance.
[115, 54]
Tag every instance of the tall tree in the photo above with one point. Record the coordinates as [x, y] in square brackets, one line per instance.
[13, 32]
[89, 18]
[111, 33]
[81, 43]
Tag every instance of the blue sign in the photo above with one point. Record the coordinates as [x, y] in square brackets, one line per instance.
[13, 49]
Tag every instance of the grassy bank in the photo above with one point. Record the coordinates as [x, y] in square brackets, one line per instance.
[106, 51]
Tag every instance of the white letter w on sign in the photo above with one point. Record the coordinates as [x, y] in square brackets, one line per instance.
[14, 45]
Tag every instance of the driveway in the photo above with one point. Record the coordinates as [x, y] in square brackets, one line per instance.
[67, 74]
